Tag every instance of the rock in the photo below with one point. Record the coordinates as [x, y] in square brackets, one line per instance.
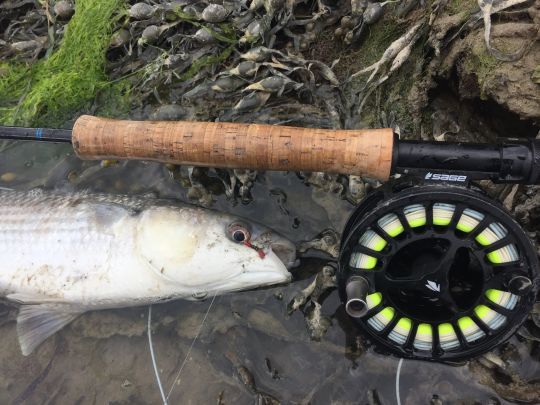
[169, 112]
[141, 11]
[119, 38]
[214, 13]
[509, 84]
[64, 9]
[150, 34]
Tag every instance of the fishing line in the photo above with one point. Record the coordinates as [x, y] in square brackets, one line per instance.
[398, 398]
[191, 347]
[152, 355]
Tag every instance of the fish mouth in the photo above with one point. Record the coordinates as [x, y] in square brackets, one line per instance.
[283, 248]
[255, 280]
[265, 278]
[286, 253]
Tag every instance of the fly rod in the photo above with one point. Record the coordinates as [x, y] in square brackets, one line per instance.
[375, 153]
[430, 267]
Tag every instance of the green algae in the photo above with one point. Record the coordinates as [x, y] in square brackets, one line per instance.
[206, 61]
[391, 96]
[483, 65]
[53, 89]
[464, 7]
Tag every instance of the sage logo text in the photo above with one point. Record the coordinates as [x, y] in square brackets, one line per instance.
[445, 177]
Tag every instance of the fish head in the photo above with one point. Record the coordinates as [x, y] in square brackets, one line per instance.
[211, 252]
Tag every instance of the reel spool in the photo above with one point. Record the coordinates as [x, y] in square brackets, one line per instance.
[436, 272]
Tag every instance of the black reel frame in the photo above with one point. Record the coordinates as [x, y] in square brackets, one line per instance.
[434, 274]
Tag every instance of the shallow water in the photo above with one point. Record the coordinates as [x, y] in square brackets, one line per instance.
[103, 357]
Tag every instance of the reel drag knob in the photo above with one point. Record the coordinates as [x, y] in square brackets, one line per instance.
[436, 272]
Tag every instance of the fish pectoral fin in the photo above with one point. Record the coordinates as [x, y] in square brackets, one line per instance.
[36, 322]
[25, 298]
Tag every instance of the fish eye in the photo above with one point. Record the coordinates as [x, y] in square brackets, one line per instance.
[239, 233]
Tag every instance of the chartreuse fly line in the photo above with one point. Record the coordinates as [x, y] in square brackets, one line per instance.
[442, 213]
[53, 89]
[493, 233]
[491, 319]
[401, 331]
[424, 337]
[391, 224]
[381, 319]
[372, 300]
[447, 337]
[502, 298]
[471, 331]
[372, 241]
[415, 214]
[469, 220]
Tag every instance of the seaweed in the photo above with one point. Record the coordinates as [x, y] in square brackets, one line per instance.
[206, 61]
[480, 63]
[463, 7]
[52, 89]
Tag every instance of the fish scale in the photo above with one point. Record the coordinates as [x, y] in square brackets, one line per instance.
[48, 231]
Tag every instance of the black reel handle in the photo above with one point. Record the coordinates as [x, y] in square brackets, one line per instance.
[511, 161]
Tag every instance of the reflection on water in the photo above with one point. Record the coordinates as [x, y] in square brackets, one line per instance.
[248, 350]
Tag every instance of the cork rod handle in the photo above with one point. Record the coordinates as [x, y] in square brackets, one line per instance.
[237, 145]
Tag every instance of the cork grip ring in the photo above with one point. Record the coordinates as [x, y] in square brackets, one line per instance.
[237, 145]
[450, 273]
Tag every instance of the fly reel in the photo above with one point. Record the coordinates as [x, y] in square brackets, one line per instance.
[436, 272]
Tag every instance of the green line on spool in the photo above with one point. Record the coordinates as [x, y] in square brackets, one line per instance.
[391, 225]
[362, 261]
[491, 234]
[381, 319]
[415, 214]
[502, 298]
[442, 213]
[447, 337]
[470, 329]
[491, 318]
[469, 220]
[372, 240]
[372, 300]
[401, 331]
[505, 254]
[424, 337]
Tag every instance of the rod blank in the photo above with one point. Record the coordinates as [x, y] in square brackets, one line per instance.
[36, 134]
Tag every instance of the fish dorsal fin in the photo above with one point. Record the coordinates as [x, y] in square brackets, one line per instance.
[36, 322]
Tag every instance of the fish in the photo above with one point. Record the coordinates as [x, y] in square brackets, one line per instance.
[64, 254]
